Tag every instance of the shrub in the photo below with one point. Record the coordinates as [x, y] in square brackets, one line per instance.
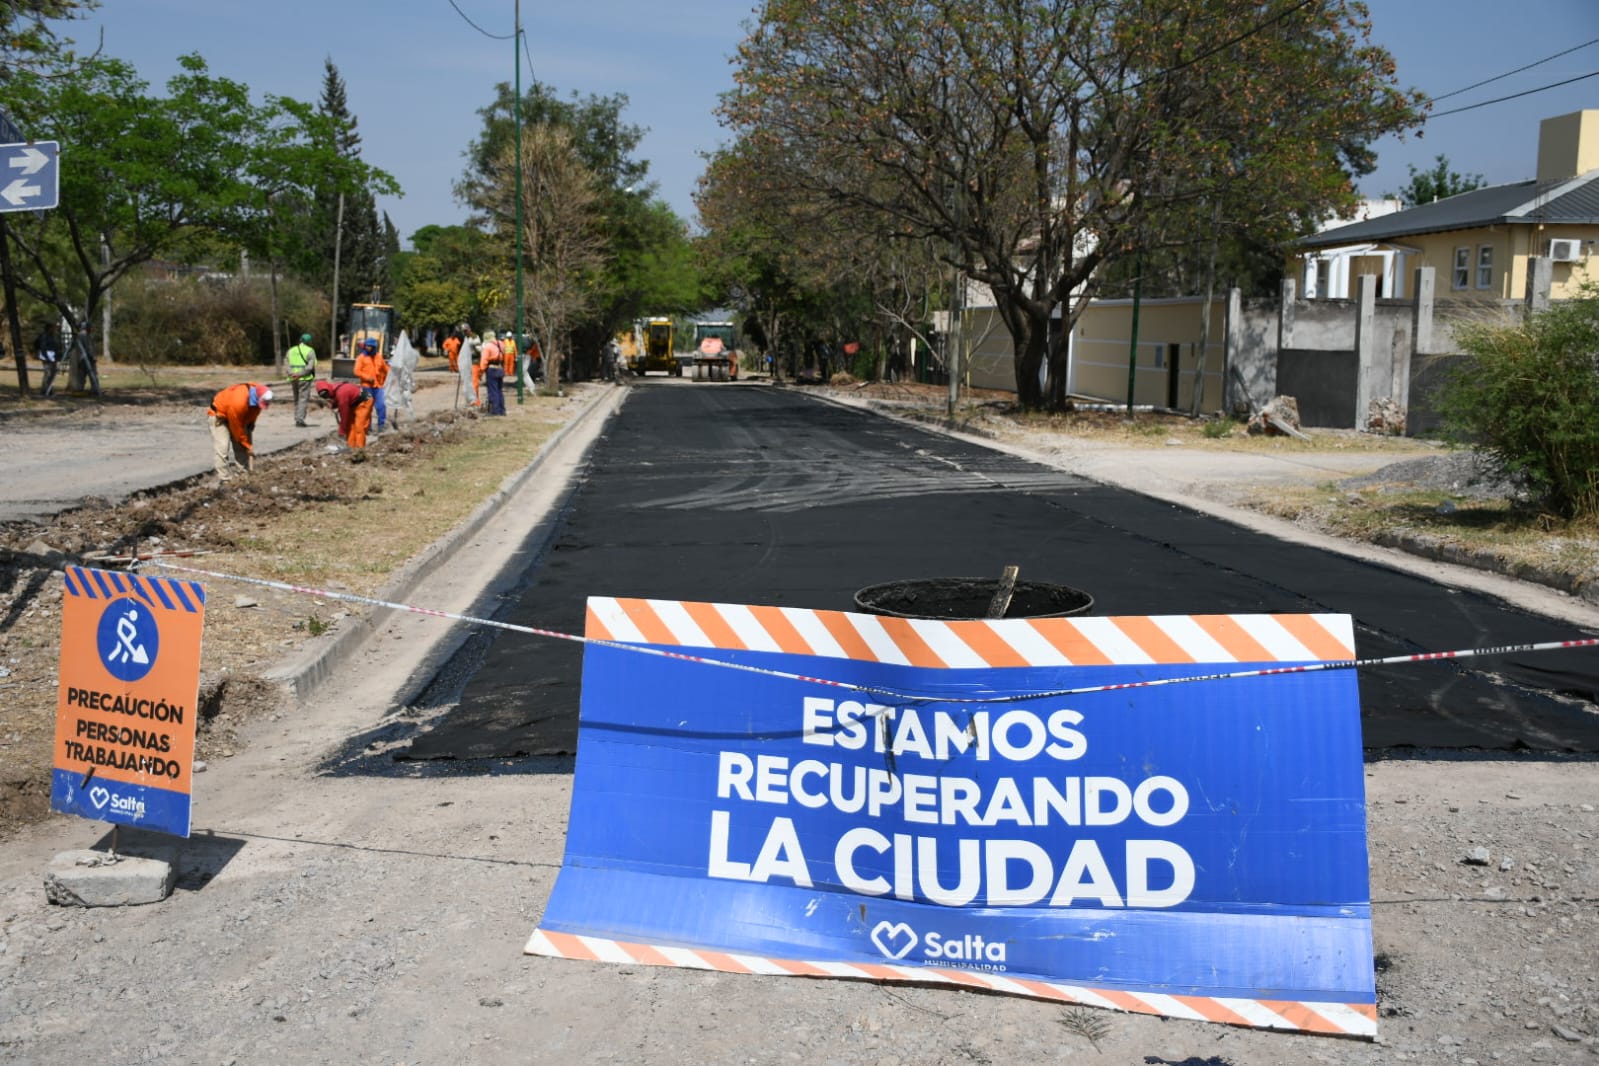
[1528, 397]
[192, 321]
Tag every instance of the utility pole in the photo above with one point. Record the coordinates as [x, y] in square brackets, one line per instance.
[516, 111]
[1132, 355]
[105, 307]
[333, 316]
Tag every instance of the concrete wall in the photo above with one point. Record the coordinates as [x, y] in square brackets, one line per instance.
[1323, 324]
[989, 350]
[1253, 340]
[1324, 384]
[1398, 350]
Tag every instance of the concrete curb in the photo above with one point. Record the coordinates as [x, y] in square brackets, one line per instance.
[302, 674]
[1582, 586]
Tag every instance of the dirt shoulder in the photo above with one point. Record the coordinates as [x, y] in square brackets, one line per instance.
[333, 917]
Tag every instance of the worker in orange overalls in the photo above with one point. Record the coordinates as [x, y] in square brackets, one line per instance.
[348, 399]
[452, 350]
[233, 413]
[367, 370]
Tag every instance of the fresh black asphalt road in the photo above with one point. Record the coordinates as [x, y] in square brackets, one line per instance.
[767, 496]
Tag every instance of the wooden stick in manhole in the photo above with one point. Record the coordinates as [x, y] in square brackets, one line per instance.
[1007, 588]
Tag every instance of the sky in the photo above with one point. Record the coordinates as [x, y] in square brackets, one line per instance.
[417, 72]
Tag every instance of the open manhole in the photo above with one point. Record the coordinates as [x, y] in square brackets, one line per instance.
[950, 598]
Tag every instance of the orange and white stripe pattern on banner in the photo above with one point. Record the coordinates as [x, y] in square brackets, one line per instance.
[1333, 1019]
[1008, 642]
[1037, 642]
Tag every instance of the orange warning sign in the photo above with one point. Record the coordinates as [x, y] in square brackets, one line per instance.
[126, 711]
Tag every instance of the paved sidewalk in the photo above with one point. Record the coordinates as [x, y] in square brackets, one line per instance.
[55, 462]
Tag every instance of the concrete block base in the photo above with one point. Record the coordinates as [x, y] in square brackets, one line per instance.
[98, 879]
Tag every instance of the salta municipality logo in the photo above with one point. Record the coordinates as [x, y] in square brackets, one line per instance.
[128, 639]
[966, 951]
[128, 806]
[894, 939]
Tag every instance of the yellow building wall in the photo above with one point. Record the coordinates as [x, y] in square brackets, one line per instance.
[1511, 245]
[1102, 347]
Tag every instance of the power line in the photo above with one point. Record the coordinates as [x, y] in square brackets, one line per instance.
[480, 29]
[1513, 96]
[527, 53]
[1518, 70]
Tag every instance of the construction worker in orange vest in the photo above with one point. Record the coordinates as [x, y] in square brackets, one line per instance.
[233, 413]
[452, 350]
[380, 392]
[492, 360]
[367, 371]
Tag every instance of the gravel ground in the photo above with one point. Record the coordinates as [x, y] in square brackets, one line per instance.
[1465, 474]
[334, 918]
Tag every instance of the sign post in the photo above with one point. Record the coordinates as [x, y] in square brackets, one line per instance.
[890, 799]
[30, 176]
[126, 711]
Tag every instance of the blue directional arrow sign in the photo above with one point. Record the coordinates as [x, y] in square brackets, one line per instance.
[30, 176]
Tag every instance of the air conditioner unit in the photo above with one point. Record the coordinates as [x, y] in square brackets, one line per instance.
[1565, 251]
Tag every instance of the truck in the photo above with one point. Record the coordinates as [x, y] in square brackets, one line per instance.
[716, 350]
[658, 349]
[374, 321]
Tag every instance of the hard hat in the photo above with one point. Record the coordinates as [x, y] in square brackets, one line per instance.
[265, 397]
[305, 338]
[488, 334]
[369, 345]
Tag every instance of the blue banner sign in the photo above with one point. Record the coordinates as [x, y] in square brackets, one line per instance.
[1193, 849]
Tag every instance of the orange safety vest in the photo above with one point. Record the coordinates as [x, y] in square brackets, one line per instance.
[233, 405]
[366, 370]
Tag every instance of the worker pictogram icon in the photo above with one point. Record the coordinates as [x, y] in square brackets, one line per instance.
[128, 639]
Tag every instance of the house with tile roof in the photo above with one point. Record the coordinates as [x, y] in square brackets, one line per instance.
[1481, 244]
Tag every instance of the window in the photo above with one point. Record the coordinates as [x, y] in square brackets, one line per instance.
[1462, 268]
[1485, 266]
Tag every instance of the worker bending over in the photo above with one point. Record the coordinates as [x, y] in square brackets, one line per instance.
[233, 413]
[349, 400]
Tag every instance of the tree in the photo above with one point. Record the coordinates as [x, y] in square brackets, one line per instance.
[1439, 183]
[297, 155]
[757, 264]
[1040, 141]
[561, 241]
[456, 274]
[603, 142]
[27, 38]
[143, 171]
[650, 266]
[340, 226]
